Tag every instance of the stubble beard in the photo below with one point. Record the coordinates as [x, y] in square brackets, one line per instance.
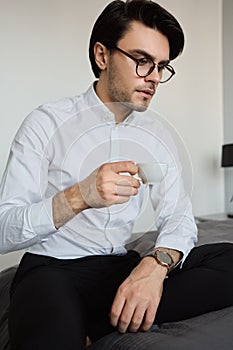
[119, 93]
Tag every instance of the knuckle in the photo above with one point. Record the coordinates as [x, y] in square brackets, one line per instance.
[102, 177]
[103, 171]
[104, 196]
[136, 294]
[101, 190]
[136, 322]
[114, 313]
[124, 320]
[127, 166]
[104, 167]
[122, 289]
[135, 191]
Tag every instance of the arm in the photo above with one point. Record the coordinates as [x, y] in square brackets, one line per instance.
[25, 212]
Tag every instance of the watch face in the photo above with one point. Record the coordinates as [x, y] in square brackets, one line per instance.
[164, 257]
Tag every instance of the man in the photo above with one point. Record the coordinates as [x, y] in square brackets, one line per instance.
[70, 196]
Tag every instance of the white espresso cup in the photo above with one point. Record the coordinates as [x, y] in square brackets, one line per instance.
[152, 173]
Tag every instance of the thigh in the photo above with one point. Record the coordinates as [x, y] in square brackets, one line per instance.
[203, 284]
[217, 256]
[107, 274]
[46, 311]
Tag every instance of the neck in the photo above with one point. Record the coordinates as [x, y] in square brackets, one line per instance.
[120, 110]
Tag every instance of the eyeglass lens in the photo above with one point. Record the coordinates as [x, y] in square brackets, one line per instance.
[146, 67]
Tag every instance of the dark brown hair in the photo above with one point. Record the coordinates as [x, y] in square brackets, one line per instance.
[115, 21]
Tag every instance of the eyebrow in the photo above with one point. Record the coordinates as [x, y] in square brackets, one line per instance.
[146, 54]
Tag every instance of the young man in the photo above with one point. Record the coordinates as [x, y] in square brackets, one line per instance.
[69, 195]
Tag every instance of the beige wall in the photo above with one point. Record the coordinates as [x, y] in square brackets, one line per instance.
[44, 57]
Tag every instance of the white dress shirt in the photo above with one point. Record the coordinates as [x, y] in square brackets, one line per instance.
[60, 144]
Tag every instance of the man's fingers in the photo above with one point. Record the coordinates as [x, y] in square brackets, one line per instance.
[126, 191]
[125, 180]
[149, 319]
[117, 306]
[126, 317]
[137, 319]
[115, 194]
[124, 167]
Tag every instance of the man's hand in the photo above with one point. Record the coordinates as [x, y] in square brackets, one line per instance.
[106, 186]
[103, 187]
[137, 299]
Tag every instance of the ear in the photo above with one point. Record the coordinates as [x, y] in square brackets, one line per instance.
[101, 55]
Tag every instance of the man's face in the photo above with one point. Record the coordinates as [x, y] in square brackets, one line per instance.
[123, 84]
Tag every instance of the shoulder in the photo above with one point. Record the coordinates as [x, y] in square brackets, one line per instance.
[38, 128]
[49, 116]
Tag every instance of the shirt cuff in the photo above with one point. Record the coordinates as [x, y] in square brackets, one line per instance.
[41, 218]
[178, 245]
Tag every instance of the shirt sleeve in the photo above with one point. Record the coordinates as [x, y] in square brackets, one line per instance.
[25, 210]
[173, 210]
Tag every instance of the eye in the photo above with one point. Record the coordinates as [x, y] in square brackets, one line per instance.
[144, 61]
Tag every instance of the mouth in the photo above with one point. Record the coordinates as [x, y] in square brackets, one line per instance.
[148, 93]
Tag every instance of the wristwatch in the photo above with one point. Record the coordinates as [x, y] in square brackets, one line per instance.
[163, 258]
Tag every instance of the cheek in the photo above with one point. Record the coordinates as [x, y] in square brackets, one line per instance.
[129, 75]
[122, 80]
[124, 74]
[126, 81]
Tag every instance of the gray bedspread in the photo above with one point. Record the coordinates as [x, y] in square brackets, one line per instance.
[215, 231]
[212, 331]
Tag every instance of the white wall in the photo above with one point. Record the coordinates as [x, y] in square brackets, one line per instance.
[44, 56]
[194, 102]
[227, 93]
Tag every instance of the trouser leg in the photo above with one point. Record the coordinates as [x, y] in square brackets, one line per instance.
[46, 312]
[204, 284]
[48, 302]
[55, 303]
[110, 271]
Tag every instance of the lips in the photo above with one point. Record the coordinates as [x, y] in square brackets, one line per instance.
[146, 92]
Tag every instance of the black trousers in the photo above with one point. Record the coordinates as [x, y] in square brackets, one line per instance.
[56, 303]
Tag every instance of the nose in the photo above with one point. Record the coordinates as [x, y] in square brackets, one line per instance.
[154, 76]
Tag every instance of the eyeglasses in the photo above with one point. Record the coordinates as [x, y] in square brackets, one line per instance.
[145, 66]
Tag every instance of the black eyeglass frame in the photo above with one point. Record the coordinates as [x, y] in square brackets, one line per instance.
[154, 65]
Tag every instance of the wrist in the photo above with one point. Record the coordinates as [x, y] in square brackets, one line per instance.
[163, 258]
[152, 266]
[74, 199]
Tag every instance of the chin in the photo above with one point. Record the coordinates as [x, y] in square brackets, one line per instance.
[136, 107]
[140, 108]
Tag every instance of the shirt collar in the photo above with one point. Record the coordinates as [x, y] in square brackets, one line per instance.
[101, 110]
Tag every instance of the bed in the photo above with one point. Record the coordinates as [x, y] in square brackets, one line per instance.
[212, 331]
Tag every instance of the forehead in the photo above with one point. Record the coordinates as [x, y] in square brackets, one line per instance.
[147, 39]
